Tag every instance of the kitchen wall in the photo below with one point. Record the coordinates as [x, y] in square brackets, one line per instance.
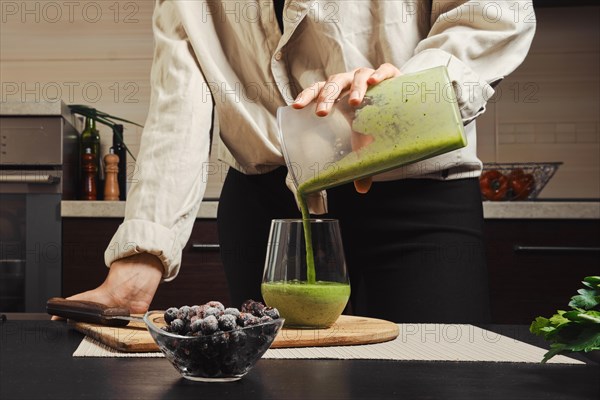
[99, 53]
[548, 109]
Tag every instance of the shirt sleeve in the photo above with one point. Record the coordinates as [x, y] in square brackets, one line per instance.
[169, 179]
[480, 42]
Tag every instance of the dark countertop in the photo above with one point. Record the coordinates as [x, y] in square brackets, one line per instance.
[36, 363]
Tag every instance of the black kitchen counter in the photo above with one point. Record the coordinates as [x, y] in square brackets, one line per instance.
[36, 362]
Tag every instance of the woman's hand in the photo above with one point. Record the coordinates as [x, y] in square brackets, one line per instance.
[131, 283]
[356, 82]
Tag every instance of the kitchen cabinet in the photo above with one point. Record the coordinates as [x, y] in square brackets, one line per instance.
[201, 277]
[536, 266]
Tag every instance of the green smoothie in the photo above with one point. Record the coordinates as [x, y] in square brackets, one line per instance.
[307, 305]
[371, 160]
[409, 118]
[311, 275]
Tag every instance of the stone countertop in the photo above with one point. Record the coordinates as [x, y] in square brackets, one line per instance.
[37, 109]
[492, 210]
[571, 209]
[116, 209]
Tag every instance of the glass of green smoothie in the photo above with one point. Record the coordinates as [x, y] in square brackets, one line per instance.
[305, 274]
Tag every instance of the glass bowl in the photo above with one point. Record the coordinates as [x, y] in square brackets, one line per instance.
[220, 357]
[540, 176]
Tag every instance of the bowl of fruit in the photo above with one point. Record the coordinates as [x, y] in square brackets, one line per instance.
[212, 343]
[515, 181]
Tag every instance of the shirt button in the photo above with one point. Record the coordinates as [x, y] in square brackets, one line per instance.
[278, 56]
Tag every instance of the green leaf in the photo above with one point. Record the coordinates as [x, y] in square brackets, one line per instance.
[559, 319]
[573, 315]
[575, 330]
[555, 349]
[594, 280]
[587, 299]
[592, 316]
[588, 340]
[591, 286]
[537, 325]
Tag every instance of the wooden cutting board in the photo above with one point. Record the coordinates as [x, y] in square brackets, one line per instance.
[348, 330]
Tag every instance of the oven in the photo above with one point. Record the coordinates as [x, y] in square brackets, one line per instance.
[38, 164]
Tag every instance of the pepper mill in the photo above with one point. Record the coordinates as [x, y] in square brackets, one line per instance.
[90, 173]
[111, 170]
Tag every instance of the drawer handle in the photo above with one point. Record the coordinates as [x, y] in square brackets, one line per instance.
[30, 179]
[205, 246]
[555, 249]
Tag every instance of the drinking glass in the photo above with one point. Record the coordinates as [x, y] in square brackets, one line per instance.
[306, 297]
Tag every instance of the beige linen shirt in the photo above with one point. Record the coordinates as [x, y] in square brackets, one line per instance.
[231, 55]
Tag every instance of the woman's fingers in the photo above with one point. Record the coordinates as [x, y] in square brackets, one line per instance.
[331, 91]
[359, 85]
[325, 93]
[385, 71]
[363, 185]
[307, 95]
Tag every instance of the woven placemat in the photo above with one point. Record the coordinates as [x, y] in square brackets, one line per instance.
[416, 342]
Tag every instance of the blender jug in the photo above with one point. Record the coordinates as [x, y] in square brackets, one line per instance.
[401, 121]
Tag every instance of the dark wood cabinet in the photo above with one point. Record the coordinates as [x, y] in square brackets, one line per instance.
[201, 277]
[536, 266]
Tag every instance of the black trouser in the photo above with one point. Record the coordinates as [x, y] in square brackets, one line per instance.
[413, 247]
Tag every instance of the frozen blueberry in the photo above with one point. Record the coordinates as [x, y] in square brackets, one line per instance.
[216, 304]
[219, 341]
[227, 322]
[196, 325]
[195, 310]
[247, 305]
[209, 325]
[232, 311]
[238, 337]
[170, 314]
[200, 310]
[254, 307]
[271, 312]
[207, 350]
[240, 319]
[243, 318]
[264, 319]
[183, 312]
[212, 311]
[177, 326]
